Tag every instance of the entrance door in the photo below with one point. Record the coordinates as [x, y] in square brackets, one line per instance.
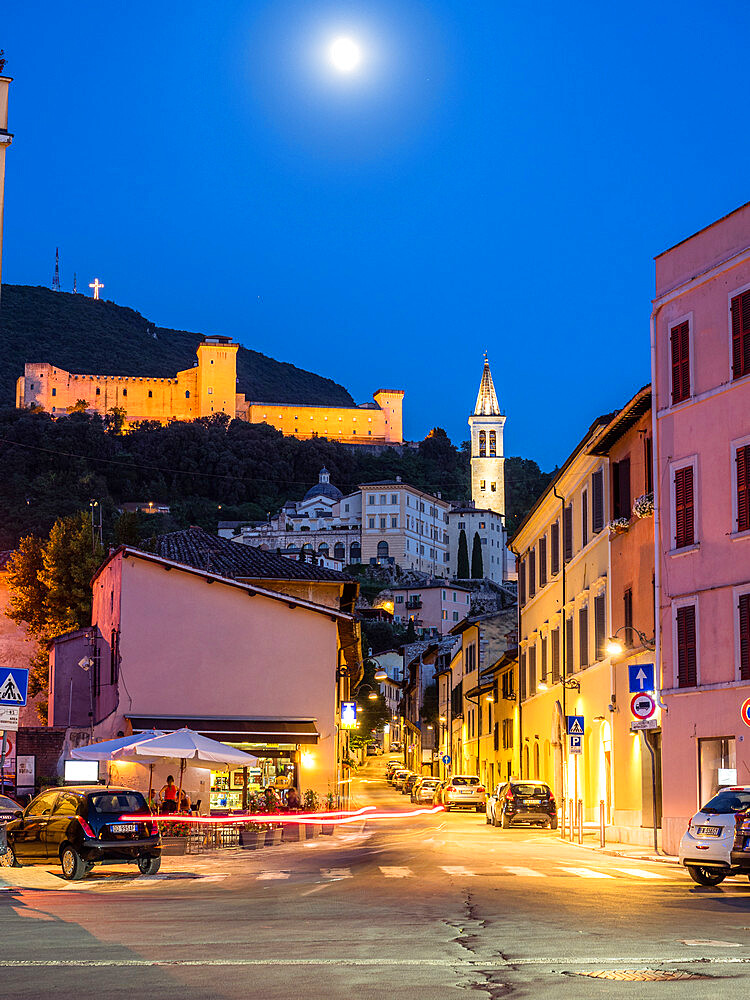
[608, 783]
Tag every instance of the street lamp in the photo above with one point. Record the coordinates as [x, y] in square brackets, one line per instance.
[571, 684]
[542, 686]
[615, 647]
[381, 675]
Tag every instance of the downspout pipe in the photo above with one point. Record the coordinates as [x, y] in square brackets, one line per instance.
[519, 705]
[657, 513]
[563, 642]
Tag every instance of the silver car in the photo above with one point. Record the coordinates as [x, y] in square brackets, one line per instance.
[400, 777]
[706, 845]
[424, 790]
[463, 791]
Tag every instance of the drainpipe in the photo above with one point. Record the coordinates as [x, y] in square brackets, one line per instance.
[657, 516]
[563, 645]
[518, 658]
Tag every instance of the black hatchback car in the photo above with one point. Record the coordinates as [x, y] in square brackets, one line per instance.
[522, 802]
[82, 827]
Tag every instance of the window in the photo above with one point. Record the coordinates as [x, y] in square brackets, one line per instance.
[339, 551]
[600, 627]
[493, 443]
[150, 394]
[394, 522]
[621, 488]
[687, 653]
[568, 665]
[507, 734]
[114, 656]
[584, 519]
[743, 488]
[455, 616]
[187, 394]
[741, 335]
[543, 661]
[66, 805]
[522, 676]
[482, 485]
[482, 525]
[627, 608]
[522, 581]
[382, 523]
[717, 766]
[532, 670]
[648, 460]
[444, 616]
[54, 391]
[680, 344]
[124, 392]
[394, 497]
[532, 572]
[482, 444]
[684, 533]
[583, 637]
[383, 499]
[555, 655]
[744, 636]
[554, 545]
[98, 391]
[568, 533]
[370, 522]
[542, 561]
[493, 487]
[462, 525]
[370, 499]
[597, 501]
[211, 392]
[382, 550]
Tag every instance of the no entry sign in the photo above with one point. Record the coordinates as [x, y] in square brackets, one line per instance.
[643, 706]
[745, 712]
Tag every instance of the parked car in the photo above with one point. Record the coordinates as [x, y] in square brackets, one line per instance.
[372, 750]
[424, 790]
[515, 802]
[84, 826]
[715, 843]
[396, 747]
[410, 782]
[463, 791]
[400, 777]
[390, 769]
[9, 809]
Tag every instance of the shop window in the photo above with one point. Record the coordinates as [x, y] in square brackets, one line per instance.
[717, 766]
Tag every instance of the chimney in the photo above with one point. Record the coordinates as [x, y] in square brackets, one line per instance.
[398, 479]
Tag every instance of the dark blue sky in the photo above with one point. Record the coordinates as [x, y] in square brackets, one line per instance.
[496, 177]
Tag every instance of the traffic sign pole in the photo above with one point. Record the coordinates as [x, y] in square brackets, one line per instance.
[2, 763]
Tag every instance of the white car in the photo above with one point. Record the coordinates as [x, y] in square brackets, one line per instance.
[706, 845]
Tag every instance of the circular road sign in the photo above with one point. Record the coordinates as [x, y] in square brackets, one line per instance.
[446, 758]
[745, 712]
[643, 706]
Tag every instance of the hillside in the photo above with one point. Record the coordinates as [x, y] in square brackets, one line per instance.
[86, 336]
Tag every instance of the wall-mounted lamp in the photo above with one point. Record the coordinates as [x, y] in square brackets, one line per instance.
[572, 684]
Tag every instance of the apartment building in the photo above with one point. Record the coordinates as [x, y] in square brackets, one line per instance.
[406, 526]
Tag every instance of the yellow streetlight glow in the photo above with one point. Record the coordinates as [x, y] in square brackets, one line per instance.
[345, 54]
[541, 686]
[614, 646]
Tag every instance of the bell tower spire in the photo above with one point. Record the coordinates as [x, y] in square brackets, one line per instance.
[487, 459]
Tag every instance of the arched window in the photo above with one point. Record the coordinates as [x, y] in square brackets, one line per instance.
[526, 761]
[307, 547]
[187, 394]
[493, 443]
[339, 551]
[355, 552]
[323, 549]
[382, 550]
[482, 444]
[536, 760]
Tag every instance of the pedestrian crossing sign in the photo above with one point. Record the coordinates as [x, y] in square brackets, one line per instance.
[575, 725]
[14, 685]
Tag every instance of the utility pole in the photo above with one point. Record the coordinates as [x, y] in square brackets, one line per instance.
[56, 276]
[96, 526]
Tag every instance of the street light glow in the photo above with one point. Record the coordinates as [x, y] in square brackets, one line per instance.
[345, 54]
[614, 646]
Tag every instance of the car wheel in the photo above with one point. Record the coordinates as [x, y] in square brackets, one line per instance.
[149, 866]
[447, 808]
[553, 823]
[73, 865]
[505, 822]
[705, 876]
[480, 809]
[9, 860]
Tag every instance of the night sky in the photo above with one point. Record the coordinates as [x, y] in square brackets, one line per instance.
[495, 176]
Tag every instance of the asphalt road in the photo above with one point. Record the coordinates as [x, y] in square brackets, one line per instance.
[420, 908]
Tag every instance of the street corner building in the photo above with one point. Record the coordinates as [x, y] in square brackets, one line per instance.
[700, 341]
[241, 645]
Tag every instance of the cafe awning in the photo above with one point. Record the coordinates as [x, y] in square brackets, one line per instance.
[234, 730]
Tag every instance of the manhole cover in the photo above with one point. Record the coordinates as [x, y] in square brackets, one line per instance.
[640, 975]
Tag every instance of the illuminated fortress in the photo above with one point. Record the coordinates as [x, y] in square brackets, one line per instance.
[210, 386]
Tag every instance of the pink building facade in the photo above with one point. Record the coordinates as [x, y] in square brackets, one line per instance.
[700, 346]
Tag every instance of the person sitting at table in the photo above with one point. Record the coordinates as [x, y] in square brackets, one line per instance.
[184, 802]
[153, 801]
[293, 800]
[169, 796]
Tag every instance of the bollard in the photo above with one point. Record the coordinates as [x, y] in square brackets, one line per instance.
[571, 816]
[562, 818]
[580, 821]
[601, 823]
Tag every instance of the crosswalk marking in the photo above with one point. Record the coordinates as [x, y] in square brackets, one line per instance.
[458, 870]
[525, 872]
[336, 872]
[394, 872]
[268, 876]
[586, 873]
[641, 873]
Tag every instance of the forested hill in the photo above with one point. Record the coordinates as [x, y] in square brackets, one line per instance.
[82, 335]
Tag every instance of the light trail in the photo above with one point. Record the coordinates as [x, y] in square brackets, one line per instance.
[339, 818]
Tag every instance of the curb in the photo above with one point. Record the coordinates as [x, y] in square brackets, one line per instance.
[665, 859]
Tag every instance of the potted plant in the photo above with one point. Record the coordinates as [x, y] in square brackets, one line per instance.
[643, 506]
[618, 525]
[311, 804]
[274, 835]
[174, 838]
[252, 836]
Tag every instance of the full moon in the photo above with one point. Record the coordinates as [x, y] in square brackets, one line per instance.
[345, 54]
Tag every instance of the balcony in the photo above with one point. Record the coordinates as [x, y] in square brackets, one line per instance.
[413, 604]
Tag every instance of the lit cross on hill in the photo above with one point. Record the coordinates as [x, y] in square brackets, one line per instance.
[96, 285]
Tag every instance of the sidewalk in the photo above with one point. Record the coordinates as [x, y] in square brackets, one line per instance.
[636, 852]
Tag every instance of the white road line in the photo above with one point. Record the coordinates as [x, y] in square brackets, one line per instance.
[336, 872]
[640, 873]
[268, 876]
[394, 872]
[524, 872]
[586, 873]
[458, 870]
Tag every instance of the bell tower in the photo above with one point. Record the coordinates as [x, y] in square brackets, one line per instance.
[487, 459]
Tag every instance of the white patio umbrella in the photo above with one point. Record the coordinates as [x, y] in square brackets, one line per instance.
[123, 746]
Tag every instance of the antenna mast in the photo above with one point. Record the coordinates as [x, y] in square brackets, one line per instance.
[56, 279]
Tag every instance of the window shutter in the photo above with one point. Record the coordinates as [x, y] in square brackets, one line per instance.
[555, 655]
[554, 541]
[600, 626]
[543, 664]
[627, 601]
[584, 518]
[522, 581]
[543, 561]
[741, 335]
[648, 458]
[532, 670]
[583, 637]
[597, 502]
[522, 676]
[568, 533]
[686, 647]
[532, 572]
[624, 469]
[744, 609]
[568, 666]
[743, 488]
[680, 362]
[683, 505]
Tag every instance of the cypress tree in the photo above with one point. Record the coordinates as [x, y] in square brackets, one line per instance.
[477, 566]
[462, 572]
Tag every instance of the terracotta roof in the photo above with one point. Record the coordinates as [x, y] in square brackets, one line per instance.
[196, 547]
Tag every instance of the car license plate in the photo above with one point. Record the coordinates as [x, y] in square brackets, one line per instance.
[532, 802]
[708, 831]
[466, 791]
[123, 827]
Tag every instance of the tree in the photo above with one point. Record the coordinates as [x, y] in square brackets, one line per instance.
[462, 572]
[477, 567]
[50, 588]
[127, 529]
[115, 419]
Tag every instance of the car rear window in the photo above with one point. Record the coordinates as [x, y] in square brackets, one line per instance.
[728, 800]
[529, 789]
[458, 781]
[431, 781]
[118, 802]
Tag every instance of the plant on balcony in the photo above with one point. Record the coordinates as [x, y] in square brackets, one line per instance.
[643, 506]
[618, 525]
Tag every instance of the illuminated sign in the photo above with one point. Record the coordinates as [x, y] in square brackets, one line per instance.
[348, 715]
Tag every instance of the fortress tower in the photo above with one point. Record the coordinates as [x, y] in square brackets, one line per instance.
[487, 459]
